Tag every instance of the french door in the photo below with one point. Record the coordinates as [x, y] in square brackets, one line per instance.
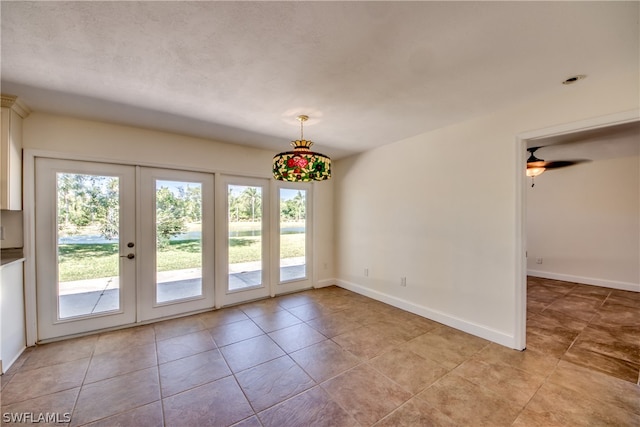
[176, 242]
[85, 281]
[293, 244]
[118, 244]
[243, 252]
[108, 255]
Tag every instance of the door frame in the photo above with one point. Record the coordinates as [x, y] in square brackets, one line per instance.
[223, 296]
[295, 285]
[49, 324]
[520, 261]
[29, 156]
[147, 306]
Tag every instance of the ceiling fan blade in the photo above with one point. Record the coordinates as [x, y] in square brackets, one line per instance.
[555, 164]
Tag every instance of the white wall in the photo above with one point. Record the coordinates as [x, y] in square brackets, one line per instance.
[442, 210]
[584, 223]
[11, 221]
[124, 144]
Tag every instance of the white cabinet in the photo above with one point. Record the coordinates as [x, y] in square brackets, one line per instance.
[12, 322]
[13, 111]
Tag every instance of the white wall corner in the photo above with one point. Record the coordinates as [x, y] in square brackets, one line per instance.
[324, 283]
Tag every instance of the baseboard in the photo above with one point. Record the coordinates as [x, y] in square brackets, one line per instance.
[4, 367]
[438, 316]
[625, 286]
[324, 283]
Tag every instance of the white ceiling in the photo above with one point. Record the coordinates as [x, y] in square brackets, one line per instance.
[368, 73]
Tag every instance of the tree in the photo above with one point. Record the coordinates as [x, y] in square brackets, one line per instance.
[252, 196]
[299, 206]
[193, 203]
[170, 216]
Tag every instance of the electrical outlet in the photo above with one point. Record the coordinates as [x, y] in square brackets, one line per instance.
[403, 281]
[366, 272]
[538, 260]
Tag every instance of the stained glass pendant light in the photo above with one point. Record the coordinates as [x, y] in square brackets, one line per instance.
[301, 164]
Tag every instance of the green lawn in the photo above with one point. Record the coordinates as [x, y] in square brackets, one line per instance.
[86, 261]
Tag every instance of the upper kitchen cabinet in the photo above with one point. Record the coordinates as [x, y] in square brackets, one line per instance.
[13, 112]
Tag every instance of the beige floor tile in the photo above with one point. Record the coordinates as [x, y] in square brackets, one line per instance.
[598, 386]
[176, 327]
[311, 408]
[446, 346]
[535, 363]
[551, 320]
[411, 371]
[505, 381]
[189, 372]
[610, 343]
[235, 332]
[61, 352]
[296, 337]
[184, 345]
[278, 320]
[577, 306]
[549, 345]
[115, 395]
[144, 416]
[118, 362]
[254, 351]
[260, 308]
[334, 324]
[365, 394]
[415, 413]
[195, 407]
[29, 384]
[529, 418]
[324, 360]
[401, 330]
[367, 342]
[273, 382]
[248, 422]
[583, 346]
[61, 404]
[224, 316]
[310, 311]
[617, 315]
[599, 362]
[469, 404]
[577, 408]
[295, 300]
[129, 337]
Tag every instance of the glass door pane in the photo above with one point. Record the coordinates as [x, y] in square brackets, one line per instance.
[88, 240]
[86, 253]
[178, 240]
[245, 245]
[293, 226]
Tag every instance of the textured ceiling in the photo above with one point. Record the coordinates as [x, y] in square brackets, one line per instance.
[368, 73]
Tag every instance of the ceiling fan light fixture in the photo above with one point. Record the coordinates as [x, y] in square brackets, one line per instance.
[301, 164]
[533, 172]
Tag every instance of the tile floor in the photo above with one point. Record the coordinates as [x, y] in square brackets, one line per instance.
[331, 357]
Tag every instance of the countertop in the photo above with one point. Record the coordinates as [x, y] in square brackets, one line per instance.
[10, 256]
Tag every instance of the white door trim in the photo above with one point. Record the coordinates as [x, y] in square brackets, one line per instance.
[520, 314]
[50, 325]
[148, 308]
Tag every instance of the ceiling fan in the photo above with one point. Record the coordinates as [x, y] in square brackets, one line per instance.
[536, 166]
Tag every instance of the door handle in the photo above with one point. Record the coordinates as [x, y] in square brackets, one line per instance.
[130, 256]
